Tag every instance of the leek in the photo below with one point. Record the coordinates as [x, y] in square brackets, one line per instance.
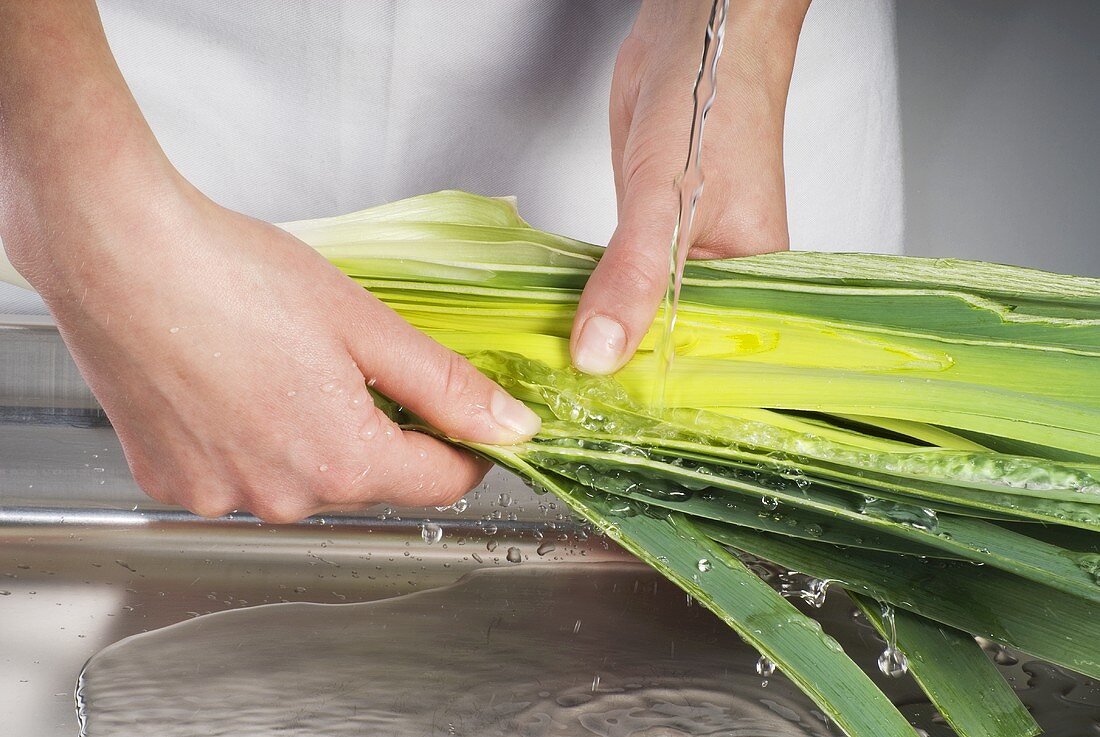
[922, 432]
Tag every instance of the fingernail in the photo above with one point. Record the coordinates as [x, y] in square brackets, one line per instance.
[513, 414]
[600, 347]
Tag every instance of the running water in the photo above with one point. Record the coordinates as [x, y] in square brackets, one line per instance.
[690, 188]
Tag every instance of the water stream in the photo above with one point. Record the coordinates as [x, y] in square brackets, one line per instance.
[690, 186]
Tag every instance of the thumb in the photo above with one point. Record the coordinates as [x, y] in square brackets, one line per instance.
[621, 297]
[435, 382]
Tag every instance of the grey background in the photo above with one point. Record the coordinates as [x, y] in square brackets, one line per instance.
[1000, 110]
[1000, 116]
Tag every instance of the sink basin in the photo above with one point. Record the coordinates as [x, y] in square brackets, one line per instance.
[517, 621]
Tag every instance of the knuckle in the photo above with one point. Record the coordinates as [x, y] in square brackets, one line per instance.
[639, 274]
[158, 493]
[280, 511]
[456, 376]
[210, 508]
[338, 488]
[647, 170]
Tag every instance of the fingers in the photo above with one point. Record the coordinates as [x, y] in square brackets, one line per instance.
[391, 465]
[433, 381]
[381, 463]
[624, 291]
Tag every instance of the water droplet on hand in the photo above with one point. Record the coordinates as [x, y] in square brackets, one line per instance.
[460, 505]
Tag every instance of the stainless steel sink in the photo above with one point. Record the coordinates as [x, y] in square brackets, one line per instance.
[87, 561]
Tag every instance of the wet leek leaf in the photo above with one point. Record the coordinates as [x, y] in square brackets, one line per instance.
[958, 678]
[982, 542]
[796, 644]
[924, 432]
[1035, 619]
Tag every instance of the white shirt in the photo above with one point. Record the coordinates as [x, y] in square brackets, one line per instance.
[293, 109]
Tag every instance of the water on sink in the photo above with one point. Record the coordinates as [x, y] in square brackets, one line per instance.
[610, 650]
[604, 650]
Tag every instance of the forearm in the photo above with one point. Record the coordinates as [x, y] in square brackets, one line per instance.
[760, 42]
[71, 135]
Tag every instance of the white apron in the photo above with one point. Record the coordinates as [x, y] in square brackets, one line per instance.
[288, 109]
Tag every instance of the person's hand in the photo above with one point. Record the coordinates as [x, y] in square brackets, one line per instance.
[233, 362]
[742, 210]
[231, 358]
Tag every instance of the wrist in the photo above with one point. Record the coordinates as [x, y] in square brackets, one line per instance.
[759, 48]
[73, 144]
[69, 207]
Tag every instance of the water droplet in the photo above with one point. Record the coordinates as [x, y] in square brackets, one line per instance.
[513, 555]
[893, 663]
[703, 565]
[328, 386]
[907, 514]
[217, 354]
[764, 666]
[546, 547]
[173, 331]
[291, 393]
[431, 532]
[372, 381]
[491, 545]
[769, 502]
[505, 500]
